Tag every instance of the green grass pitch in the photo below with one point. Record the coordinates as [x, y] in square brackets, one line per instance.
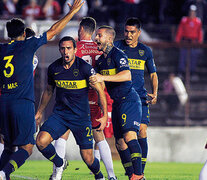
[77, 170]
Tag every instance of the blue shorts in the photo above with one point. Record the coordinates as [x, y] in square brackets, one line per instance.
[58, 123]
[145, 111]
[126, 116]
[17, 122]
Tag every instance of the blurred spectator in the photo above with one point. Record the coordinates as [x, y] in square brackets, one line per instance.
[201, 9]
[175, 95]
[9, 8]
[99, 12]
[33, 10]
[20, 5]
[51, 9]
[78, 16]
[189, 31]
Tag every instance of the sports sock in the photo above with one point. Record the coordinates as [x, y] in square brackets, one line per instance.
[136, 155]
[5, 157]
[60, 147]
[95, 168]
[105, 153]
[1, 148]
[97, 154]
[50, 153]
[203, 173]
[16, 160]
[126, 161]
[144, 146]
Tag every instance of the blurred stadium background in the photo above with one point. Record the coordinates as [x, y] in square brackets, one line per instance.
[177, 131]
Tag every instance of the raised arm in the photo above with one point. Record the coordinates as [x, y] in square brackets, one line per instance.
[103, 104]
[45, 99]
[59, 25]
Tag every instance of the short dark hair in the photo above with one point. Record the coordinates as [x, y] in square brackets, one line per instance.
[89, 24]
[29, 32]
[109, 30]
[133, 22]
[15, 27]
[68, 38]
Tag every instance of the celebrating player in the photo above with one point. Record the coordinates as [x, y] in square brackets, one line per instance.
[126, 110]
[70, 76]
[87, 50]
[17, 114]
[139, 56]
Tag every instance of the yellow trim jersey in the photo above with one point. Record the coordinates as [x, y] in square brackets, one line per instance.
[139, 58]
[71, 86]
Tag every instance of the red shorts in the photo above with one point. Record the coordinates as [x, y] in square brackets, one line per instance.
[95, 114]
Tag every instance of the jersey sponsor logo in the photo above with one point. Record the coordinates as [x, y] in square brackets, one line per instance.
[75, 72]
[109, 61]
[75, 84]
[108, 72]
[136, 64]
[123, 61]
[141, 52]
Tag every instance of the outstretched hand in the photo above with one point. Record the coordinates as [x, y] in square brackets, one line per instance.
[77, 4]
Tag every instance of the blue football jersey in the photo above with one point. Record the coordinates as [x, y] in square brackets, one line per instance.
[138, 57]
[71, 87]
[115, 62]
[16, 68]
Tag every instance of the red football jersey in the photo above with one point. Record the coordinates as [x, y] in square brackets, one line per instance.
[87, 50]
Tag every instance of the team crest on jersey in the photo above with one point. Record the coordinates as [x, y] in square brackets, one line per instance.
[141, 52]
[93, 72]
[75, 72]
[109, 61]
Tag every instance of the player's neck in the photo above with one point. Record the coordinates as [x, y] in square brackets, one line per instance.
[68, 64]
[85, 37]
[107, 49]
[133, 45]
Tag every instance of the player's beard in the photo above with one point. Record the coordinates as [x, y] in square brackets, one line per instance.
[68, 61]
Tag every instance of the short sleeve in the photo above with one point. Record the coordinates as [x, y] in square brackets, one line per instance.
[150, 64]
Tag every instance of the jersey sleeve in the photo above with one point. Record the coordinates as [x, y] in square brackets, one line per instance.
[88, 71]
[121, 61]
[36, 41]
[150, 64]
[50, 75]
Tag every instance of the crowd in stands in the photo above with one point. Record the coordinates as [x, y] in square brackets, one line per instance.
[106, 11]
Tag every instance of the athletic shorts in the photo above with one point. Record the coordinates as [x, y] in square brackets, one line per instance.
[95, 111]
[57, 124]
[17, 122]
[126, 116]
[145, 111]
[108, 130]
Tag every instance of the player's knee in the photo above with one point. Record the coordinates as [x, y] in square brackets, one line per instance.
[121, 145]
[42, 141]
[142, 133]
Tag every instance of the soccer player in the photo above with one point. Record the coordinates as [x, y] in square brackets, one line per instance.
[126, 109]
[17, 114]
[87, 50]
[70, 76]
[139, 56]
